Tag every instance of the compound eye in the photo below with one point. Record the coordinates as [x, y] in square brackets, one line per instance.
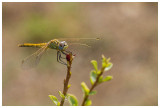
[65, 44]
[62, 44]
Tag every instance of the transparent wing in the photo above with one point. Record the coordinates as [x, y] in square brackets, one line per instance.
[80, 45]
[79, 41]
[32, 60]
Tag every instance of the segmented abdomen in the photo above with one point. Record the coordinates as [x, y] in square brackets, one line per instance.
[32, 45]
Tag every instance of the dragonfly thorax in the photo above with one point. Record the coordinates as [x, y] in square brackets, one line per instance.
[63, 45]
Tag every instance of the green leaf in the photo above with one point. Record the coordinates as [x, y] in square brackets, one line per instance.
[108, 66]
[61, 95]
[100, 79]
[88, 102]
[99, 72]
[94, 63]
[104, 61]
[55, 100]
[107, 78]
[72, 100]
[69, 85]
[85, 89]
[92, 92]
[93, 77]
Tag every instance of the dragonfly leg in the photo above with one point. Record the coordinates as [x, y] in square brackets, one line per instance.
[66, 52]
[63, 57]
[59, 58]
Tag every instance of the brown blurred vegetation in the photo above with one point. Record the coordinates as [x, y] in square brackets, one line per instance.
[129, 33]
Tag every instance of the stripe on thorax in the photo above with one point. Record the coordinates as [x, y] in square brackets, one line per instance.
[53, 44]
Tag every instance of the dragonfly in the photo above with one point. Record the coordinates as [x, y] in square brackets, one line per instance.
[60, 45]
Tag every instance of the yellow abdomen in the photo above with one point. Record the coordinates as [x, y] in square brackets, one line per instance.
[39, 45]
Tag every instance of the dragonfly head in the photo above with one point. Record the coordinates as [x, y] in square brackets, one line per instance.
[63, 45]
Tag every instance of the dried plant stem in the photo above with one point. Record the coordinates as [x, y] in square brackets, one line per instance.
[92, 87]
[66, 81]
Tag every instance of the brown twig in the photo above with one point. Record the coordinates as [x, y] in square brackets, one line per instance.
[92, 87]
[69, 59]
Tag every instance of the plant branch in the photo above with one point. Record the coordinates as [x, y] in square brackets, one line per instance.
[92, 87]
[69, 58]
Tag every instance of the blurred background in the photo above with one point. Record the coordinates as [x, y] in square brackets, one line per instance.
[129, 36]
